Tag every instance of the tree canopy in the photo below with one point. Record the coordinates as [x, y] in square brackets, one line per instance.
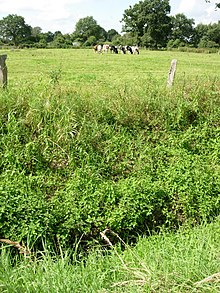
[147, 23]
[13, 28]
[150, 21]
[87, 27]
[182, 28]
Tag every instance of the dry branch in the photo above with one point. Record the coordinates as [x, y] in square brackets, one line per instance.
[142, 274]
[22, 248]
[210, 279]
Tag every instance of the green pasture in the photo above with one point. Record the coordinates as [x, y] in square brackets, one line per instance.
[84, 67]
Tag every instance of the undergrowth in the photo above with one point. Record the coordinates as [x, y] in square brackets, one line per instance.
[131, 158]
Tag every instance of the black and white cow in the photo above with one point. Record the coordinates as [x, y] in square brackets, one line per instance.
[129, 49]
[114, 49]
[122, 49]
[135, 50]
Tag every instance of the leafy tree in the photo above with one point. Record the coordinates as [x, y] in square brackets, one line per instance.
[58, 41]
[87, 27]
[214, 33]
[35, 31]
[207, 35]
[182, 28]
[48, 37]
[14, 29]
[111, 34]
[129, 39]
[149, 20]
[201, 31]
[35, 34]
[91, 41]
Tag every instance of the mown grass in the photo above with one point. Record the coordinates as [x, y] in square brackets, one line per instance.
[160, 263]
[83, 66]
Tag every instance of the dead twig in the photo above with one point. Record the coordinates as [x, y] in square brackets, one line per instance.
[136, 272]
[103, 235]
[210, 279]
[22, 248]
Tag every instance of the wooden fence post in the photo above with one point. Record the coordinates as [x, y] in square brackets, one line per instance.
[171, 74]
[3, 71]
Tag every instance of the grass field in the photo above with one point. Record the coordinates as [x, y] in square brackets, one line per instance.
[90, 141]
[79, 67]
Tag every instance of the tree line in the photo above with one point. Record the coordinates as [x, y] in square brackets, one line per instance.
[147, 23]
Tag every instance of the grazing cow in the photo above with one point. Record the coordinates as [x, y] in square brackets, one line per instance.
[135, 50]
[105, 48]
[129, 49]
[123, 50]
[97, 49]
[114, 49]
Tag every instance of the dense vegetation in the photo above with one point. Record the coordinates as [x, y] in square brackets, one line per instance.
[147, 23]
[99, 141]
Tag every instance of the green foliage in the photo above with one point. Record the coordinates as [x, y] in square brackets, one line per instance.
[208, 36]
[147, 23]
[100, 150]
[149, 19]
[182, 28]
[13, 28]
[87, 27]
[111, 34]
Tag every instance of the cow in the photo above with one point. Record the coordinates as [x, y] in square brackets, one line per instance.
[105, 48]
[135, 50]
[114, 49]
[129, 49]
[123, 50]
[97, 49]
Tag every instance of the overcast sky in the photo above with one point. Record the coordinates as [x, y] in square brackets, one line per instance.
[62, 15]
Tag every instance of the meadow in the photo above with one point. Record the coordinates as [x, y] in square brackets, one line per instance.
[94, 141]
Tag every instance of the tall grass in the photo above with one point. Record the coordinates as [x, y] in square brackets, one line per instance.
[178, 262]
[93, 141]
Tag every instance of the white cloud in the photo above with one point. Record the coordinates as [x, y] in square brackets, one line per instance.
[35, 5]
[187, 6]
[199, 10]
[48, 14]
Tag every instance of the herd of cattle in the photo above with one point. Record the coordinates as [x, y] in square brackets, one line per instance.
[116, 49]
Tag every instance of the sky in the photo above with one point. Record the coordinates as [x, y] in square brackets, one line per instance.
[62, 15]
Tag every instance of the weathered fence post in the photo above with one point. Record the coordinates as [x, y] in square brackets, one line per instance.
[3, 71]
[171, 74]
